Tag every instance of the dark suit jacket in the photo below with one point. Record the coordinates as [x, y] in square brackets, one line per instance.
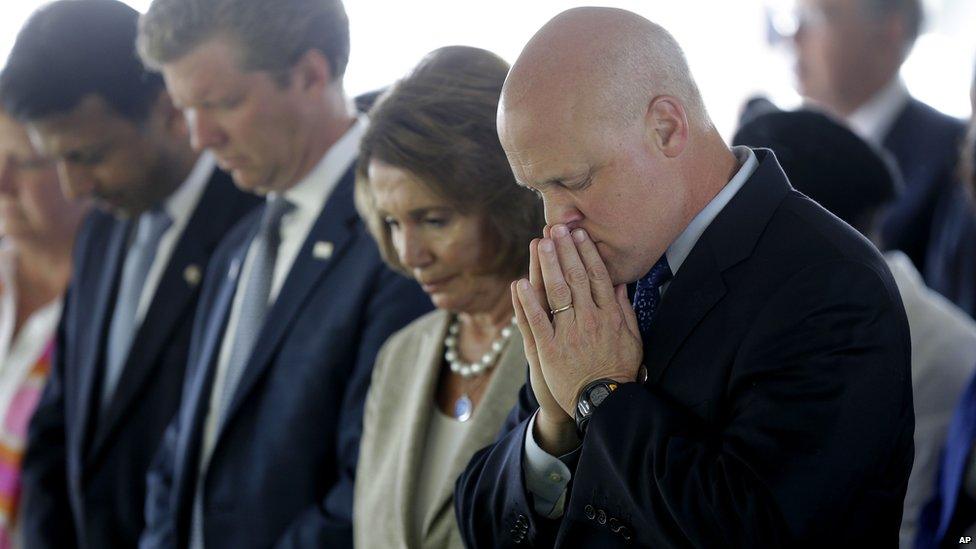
[283, 466]
[951, 264]
[925, 143]
[84, 471]
[778, 410]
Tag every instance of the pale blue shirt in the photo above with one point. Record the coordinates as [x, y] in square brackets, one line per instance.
[547, 476]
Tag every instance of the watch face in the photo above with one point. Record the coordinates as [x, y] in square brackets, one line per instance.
[598, 393]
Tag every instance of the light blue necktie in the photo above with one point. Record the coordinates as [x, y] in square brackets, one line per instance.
[250, 320]
[149, 231]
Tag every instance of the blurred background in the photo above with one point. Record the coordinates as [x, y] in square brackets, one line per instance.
[736, 49]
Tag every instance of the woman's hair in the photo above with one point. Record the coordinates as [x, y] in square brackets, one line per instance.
[438, 124]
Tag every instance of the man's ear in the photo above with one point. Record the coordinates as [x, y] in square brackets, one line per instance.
[168, 117]
[312, 73]
[666, 125]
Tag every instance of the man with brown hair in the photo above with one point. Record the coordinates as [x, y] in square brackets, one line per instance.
[263, 450]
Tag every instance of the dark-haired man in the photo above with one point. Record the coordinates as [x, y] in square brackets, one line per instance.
[74, 77]
[264, 448]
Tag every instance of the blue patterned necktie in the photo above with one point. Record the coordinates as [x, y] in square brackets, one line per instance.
[647, 294]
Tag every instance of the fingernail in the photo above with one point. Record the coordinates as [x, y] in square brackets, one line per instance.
[560, 230]
[524, 284]
[579, 235]
[546, 245]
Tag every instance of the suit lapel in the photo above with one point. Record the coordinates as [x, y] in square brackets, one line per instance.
[103, 299]
[495, 405]
[418, 405]
[333, 226]
[729, 239]
[193, 410]
[687, 301]
[177, 290]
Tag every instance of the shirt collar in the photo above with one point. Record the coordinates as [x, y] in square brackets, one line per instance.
[679, 249]
[872, 120]
[183, 201]
[314, 189]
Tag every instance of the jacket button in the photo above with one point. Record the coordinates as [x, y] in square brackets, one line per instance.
[601, 516]
[589, 512]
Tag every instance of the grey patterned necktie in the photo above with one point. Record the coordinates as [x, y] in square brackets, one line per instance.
[257, 290]
[149, 231]
[254, 307]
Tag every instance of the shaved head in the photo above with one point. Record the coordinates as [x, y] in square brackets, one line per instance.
[603, 63]
[600, 116]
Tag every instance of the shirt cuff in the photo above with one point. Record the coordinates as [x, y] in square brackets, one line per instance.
[546, 476]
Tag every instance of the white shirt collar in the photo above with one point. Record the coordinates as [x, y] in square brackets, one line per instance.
[872, 120]
[314, 189]
[181, 204]
[679, 249]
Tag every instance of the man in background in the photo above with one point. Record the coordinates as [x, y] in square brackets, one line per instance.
[848, 55]
[264, 448]
[122, 343]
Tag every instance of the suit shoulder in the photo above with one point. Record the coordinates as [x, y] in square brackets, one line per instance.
[418, 330]
[809, 235]
[407, 341]
[937, 128]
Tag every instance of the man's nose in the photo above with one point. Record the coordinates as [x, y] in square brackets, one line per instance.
[561, 210]
[205, 133]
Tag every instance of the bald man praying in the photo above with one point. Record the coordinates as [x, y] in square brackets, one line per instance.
[715, 361]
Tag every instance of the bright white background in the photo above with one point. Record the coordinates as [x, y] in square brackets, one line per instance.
[725, 42]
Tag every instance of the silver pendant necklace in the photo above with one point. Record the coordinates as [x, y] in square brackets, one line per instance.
[463, 406]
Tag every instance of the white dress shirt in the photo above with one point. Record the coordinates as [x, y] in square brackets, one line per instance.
[547, 476]
[308, 197]
[180, 207]
[872, 120]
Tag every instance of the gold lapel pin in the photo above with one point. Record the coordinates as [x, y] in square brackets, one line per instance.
[192, 275]
[322, 250]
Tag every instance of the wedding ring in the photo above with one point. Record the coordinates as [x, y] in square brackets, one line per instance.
[561, 309]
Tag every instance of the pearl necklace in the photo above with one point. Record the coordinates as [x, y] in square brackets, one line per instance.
[465, 369]
[464, 406]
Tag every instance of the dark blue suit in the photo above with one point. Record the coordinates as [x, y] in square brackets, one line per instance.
[950, 512]
[925, 144]
[282, 468]
[777, 412]
[84, 471]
